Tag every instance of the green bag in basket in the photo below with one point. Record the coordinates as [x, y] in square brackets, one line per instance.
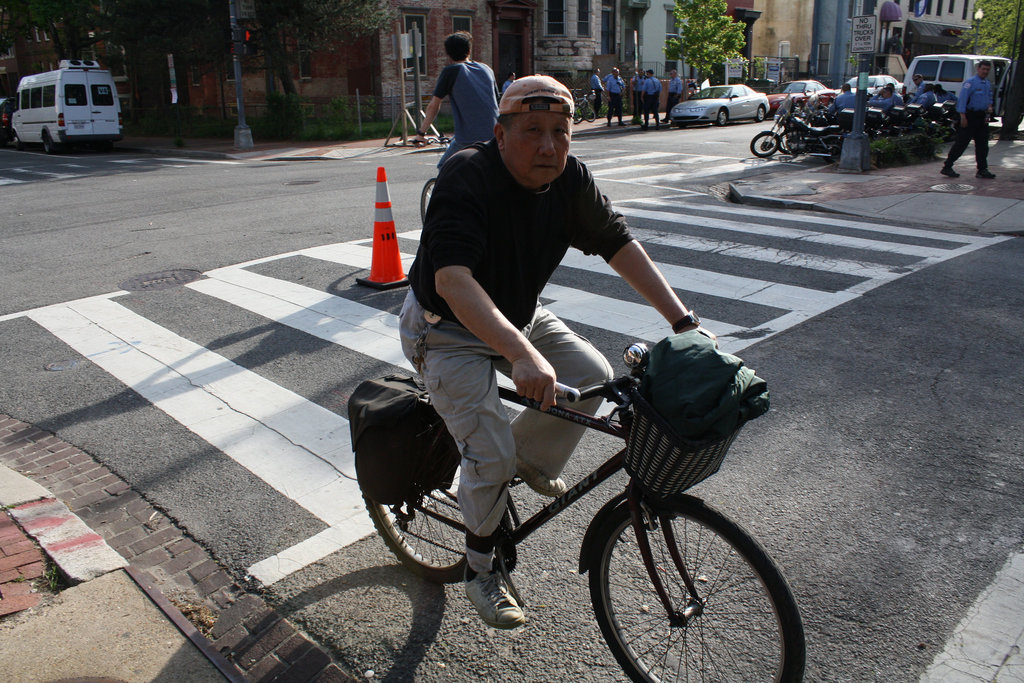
[701, 391]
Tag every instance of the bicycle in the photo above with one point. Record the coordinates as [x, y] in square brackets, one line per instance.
[428, 187]
[583, 106]
[699, 601]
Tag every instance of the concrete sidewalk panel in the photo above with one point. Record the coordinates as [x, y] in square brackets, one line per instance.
[106, 628]
[16, 488]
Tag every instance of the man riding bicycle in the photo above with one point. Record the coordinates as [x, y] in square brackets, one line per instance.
[502, 216]
[473, 93]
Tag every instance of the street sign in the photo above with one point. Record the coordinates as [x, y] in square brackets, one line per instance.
[865, 34]
[246, 9]
[734, 67]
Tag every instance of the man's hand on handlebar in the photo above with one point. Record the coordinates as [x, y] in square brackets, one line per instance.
[535, 379]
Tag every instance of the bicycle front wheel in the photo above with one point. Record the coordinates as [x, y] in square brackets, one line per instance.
[743, 624]
[428, 189]
[428, 540]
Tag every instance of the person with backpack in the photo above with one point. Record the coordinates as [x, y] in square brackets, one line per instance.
[473, 94]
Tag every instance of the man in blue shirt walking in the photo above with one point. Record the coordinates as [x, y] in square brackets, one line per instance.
[598, 87]
[675, 93]
[974, 104]
[614, 85]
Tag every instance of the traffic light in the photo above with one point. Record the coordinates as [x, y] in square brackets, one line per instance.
[249, 45]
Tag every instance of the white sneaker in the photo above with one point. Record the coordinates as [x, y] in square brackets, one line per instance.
[539, 482]
[490, 596]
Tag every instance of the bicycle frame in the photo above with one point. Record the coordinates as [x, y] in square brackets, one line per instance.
[521, 530]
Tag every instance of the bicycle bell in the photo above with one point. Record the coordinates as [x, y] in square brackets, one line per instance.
[635, 357]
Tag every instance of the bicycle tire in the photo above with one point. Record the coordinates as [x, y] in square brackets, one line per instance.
[577, 113]
[428, 190]
[432, 549]
[588, 113]
[764, 144]
[750, 628]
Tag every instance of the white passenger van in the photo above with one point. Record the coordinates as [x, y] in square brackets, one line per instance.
[950, 71]
[77, 103]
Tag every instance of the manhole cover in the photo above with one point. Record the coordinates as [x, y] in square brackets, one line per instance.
[952, 187]
[162, 280]
[67, 364]
[302, 182]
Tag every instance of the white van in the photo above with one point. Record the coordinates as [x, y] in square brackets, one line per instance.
[950, 71]
[76, 103]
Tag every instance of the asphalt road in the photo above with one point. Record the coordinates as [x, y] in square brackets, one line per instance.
[885, 481]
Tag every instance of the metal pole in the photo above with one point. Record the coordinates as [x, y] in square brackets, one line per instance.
[243, 134]
[856, 152]
[415, 37]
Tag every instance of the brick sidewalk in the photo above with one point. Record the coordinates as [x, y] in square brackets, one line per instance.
[246, 630]
[22, 566]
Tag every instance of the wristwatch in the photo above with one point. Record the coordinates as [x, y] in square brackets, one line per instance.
[690, 318]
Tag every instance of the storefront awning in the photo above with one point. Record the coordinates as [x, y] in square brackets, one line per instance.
[935, 34]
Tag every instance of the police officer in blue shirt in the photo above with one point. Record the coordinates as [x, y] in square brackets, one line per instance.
[652, 95]
[925, 96]
[846, 99]
[974, 104]
[598, 87]
[614, 85]
[886, 99]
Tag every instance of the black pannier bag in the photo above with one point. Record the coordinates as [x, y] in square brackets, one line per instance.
[401, 444]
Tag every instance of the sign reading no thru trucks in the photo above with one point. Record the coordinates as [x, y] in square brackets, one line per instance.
[865, 30]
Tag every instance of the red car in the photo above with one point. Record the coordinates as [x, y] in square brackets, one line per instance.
[800, 90]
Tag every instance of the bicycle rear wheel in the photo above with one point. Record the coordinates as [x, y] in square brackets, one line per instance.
[745, 626]
[428, 190]
[429, 540]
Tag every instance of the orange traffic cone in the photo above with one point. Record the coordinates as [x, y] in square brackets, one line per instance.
[386, 269]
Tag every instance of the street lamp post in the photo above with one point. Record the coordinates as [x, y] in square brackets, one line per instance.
[978, 16]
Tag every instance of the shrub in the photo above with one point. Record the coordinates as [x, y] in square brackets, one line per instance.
[906, 149]
[284, 116]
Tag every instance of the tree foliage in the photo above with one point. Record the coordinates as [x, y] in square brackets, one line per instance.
[707, 35]
[998, 27]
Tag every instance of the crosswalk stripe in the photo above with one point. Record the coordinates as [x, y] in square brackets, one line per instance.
[763, 292]
[829, 221]
[295, 446]
[763, 229]
[369, 331]
[766, 254]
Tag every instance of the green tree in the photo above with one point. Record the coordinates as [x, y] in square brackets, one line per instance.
[707, 35]
[996, 30]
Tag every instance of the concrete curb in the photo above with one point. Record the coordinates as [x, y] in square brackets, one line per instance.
[245, 630]
[79, 552]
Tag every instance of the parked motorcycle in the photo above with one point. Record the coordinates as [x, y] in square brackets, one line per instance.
[793, 135]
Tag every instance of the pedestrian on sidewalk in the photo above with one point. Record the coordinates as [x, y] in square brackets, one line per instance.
[598, 87]
[508, 81]
[614, 86]
[675, 93]
[974, 105]
[652, 97]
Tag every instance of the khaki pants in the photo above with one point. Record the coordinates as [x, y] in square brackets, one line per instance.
[459, 371]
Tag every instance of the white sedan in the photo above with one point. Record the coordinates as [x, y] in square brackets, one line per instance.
[720, 104]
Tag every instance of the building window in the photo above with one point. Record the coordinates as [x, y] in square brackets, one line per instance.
[671, 30]
[196, 75]
[964, 15]
[305, 62]
[950, 8]
[556, 18]
[607, 30]
[420, 22]
[583, 18]
[824, 58]
[462, 23]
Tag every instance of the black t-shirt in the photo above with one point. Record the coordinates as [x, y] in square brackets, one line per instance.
[511, 238]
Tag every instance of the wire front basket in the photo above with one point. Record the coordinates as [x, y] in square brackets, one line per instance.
[663, 462]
